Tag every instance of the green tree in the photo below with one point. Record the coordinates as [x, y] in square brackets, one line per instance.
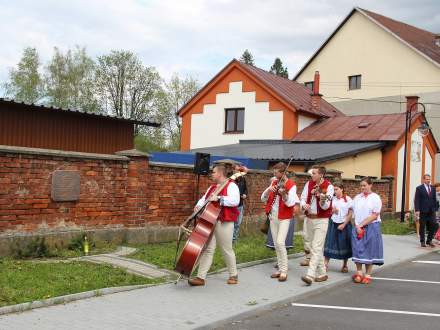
[247, 58]
[69, 80]
[177, 92]
[278, 69]
[125, 87]
[25, 82]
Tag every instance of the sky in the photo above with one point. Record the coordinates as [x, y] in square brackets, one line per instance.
[190, 37]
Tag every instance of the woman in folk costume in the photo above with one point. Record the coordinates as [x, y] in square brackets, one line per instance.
[366, 240]
[228, 199]
[280, 198]
[316, 203]
[338, 240]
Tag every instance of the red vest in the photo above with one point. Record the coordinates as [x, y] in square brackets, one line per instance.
[284, 212]
[323, 186]
[227, 213]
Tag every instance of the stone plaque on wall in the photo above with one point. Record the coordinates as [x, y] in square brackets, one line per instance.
[65, 186]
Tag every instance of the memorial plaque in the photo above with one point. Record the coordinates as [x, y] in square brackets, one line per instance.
[65, 186]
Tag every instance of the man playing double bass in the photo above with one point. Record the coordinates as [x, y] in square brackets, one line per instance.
[228, 199]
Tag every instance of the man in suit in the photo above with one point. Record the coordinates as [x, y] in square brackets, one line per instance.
[425, 205]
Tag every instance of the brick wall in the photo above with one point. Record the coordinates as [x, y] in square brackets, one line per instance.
[117, 191]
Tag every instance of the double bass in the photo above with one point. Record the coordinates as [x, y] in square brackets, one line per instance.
[199, 227]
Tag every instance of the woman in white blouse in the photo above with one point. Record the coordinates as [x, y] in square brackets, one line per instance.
[338, 239]
[366, 238]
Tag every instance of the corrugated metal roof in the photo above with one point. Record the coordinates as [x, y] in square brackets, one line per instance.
[295, 93]
[319, 151]
[386, 127]
[422, 40]
[34, 106]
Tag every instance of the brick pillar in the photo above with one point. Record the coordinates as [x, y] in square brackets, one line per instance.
[137, 188]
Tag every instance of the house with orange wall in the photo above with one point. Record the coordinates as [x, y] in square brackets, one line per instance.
[245, 102]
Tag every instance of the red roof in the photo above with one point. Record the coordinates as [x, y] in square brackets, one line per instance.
[422, 40]
[293, 92]
[387, 127]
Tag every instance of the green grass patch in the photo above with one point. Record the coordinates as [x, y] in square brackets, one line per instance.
[395, 227]
[26, 281]
[248, 248]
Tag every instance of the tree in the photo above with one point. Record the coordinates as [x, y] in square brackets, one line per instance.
[177, 92]
[247, 58]
[25, 82]
[70, 79]
[278, 69]
[125, 87]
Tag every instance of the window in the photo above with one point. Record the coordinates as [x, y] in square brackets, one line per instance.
[354, 82]
[309, 85]
[234, 121]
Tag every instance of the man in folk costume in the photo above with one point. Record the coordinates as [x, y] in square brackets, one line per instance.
[228, 199]
[280, 198]
[316, 202]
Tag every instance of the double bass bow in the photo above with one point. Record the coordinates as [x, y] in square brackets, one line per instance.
[199, 227]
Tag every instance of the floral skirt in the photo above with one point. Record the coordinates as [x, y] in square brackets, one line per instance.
[369, 249]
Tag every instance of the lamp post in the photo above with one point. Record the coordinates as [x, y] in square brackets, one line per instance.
[424, 131]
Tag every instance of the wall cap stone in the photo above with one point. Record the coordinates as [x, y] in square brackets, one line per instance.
[59, 153]
[132, 153]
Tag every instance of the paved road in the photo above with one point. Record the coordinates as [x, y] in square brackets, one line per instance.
[387, 294]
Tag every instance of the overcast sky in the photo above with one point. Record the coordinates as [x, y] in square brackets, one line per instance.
[190, 36]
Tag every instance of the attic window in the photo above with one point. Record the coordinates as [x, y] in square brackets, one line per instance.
[364, 125]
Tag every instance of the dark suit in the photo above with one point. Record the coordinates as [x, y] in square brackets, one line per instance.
[426, 204]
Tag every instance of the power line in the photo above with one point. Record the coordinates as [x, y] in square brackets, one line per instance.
[371, 100]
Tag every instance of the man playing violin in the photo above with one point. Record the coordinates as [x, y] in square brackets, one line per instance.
[316, 202]
[280, 198]
[228, 199]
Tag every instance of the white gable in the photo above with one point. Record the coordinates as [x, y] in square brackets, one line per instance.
[208, 128]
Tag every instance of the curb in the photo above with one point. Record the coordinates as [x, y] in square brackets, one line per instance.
[70, 298]
[316, 289]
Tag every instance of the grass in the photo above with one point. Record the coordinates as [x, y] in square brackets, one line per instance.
[38, 248]
[395, 227]
[248, 248]
[25, 281]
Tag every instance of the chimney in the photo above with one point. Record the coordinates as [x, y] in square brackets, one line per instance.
[316, 97]
[410, 101]
[437, 39]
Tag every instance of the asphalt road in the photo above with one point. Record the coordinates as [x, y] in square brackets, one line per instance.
[406, 296]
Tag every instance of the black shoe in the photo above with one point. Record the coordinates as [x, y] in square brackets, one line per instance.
[431, 244]
[422, 244]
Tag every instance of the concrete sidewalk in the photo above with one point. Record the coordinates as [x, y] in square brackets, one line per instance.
[183, 307]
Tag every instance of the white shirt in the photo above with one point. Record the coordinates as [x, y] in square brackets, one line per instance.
[231, 199]
[343, 208]
[313, 202]
[364, 206]
[292, 198]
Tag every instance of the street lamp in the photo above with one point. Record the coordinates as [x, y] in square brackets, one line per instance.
[424, 131]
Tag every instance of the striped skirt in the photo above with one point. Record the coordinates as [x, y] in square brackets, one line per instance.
[369, 249]
[338, 242]
[289, 238]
